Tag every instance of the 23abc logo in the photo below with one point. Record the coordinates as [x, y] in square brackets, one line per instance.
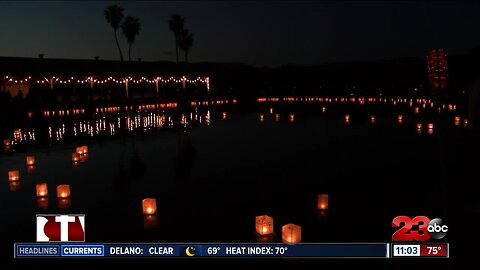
[420, 229]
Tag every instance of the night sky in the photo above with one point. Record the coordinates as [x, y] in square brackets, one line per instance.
[265, 33]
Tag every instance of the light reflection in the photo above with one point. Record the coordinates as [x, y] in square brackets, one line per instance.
[14, 185]
[150, 221]
[42, 203]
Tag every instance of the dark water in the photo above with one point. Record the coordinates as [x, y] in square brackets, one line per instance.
[213, 172]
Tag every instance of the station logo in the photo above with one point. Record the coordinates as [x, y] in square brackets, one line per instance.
[419, 229]
[60, 228]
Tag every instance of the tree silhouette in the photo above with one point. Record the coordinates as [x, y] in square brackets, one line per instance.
[114, 15]
[185, 42]
[130, 28]
[176, 25]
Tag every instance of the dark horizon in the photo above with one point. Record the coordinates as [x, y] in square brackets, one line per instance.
[260, 34]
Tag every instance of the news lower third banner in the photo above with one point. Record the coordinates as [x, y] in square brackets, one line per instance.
[247, 250]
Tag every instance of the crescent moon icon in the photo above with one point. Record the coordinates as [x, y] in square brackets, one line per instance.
[189, 254]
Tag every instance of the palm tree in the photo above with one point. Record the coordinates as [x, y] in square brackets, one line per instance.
[130, 28]
[185, 42]
[114, 15]
[176, 25]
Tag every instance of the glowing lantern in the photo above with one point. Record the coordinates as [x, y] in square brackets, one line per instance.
[465, 122]
[30, 160]
[430, 128]
[7, 143]
[400, 119]
[63, 191]
[85, 149]
[261, 118]
[291, 234]
[264, 225]
[347, 119]
[42, 202]
[79, 150]
[322, 202]
[149, 221]
[83, 158]
[430, 125]
[42, 190]
[271, 110]
[13, 176]
[149, 206]
[224, 115]
[75, 157]
[372, 119]
[64, 203]
[14, 185]
[324, 109]
[457, 120]
[277, 117]
[292, 118]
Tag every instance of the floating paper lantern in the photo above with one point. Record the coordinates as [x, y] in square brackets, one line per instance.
[324, 109]
[7, 143]
[291, 234]
[224, 115]
[42, 202]
[42, 190]
[400, 119]
[372, 119]
[261, 118]
[13, 176]
[149, 206]
[14, 185]
[457, 121]
[149, 221]
[30, 160]
[430, 125]
[85, 149]
[79, 150]
[63, 191]
[322, 202]
[292, 118]
[347, 119]
[64, 203]
[83, 158]
[75, 157]
[271, 110]
[264, 225]
[277, 117]
[465, 122]
[419, 125]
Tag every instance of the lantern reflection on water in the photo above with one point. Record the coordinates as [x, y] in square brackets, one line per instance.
[291, 234]
[149, 221]
[42, 202]
[64, 203]
[322, 202]
[63, 191]
[347, 119]
[7, 143]
[30, 160]
[264, 225]
[400, 119]
[149, 206]
[13, 176]
[30, 168]
[42, 190]
[277, 117]
[292, 118]
[14, 185]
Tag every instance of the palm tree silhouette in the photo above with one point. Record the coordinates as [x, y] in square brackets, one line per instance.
[130, 28]
[176, 25]
[114, 15]
[185, 42]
